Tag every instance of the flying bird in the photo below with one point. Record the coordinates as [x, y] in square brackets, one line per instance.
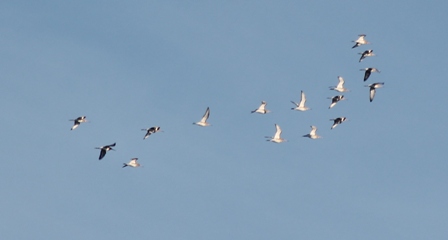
[301, 106]
[105, 149]
[340, 86]
[277, 138]
[373, 88]
[368, 71]
[203, 122]
[335, 100]
[366, 53]
[133, 163]
[337, 121]
[78, 121]
[150, 131]
[261, 109]
[360, 41]
[312, 134]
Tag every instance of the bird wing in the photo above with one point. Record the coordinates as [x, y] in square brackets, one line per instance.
[341, 82]
[302, 99]
[372, 93]
[206, 115]
[335, 99]
[102, 153]
[313, 130]
[262, 106]
[75, 125]
[112, 145]
[367, 74]
[361, 39]
[278, 131]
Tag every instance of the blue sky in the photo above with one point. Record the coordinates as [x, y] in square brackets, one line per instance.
[136, 64]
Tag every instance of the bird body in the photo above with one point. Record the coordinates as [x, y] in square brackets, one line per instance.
[133, 163]
[366, 53]
[261, 109]
[337, 121]
[301, 106]
[312, 133]
[368, 71]
[277, 137]
[373, 88]
[360, 41]
[105, 149]
[335, 100]
[150, 131]
[78, 121]
[340, 87]
[203, 122]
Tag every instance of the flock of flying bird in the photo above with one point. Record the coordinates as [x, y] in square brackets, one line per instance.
[104, 149]
[334, 100]
[262, 108]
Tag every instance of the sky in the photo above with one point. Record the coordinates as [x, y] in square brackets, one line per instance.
[129, 65]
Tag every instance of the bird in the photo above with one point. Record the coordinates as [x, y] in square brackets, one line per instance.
[301, 106]
[368, 71]
[372, 87]
[360, 41]
[312, 134]
[277, 138]
[261, 109]
[150, 131]
[78, 121]
[335, 100]
[366, 53]
[133, 163]
[337, 121]
[105, 149]
[203, 122]
[340, 86]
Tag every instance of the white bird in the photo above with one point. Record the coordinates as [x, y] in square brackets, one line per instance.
[335, 100]
[337, 121]
[277, 138]
[312, 134]
[105, 149]
[360, 41]
[150, 131]
[368, 71]
[340, 86]
[366, 53]
[372, 87]
[78, 121]
[261, 109]
[203, 122]
[301, 106]
[133, 163]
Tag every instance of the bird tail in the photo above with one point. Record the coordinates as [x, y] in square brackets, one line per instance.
[125, 165]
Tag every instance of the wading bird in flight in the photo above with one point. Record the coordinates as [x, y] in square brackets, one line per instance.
[203, 122]
[105, 149]
[78, 121]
